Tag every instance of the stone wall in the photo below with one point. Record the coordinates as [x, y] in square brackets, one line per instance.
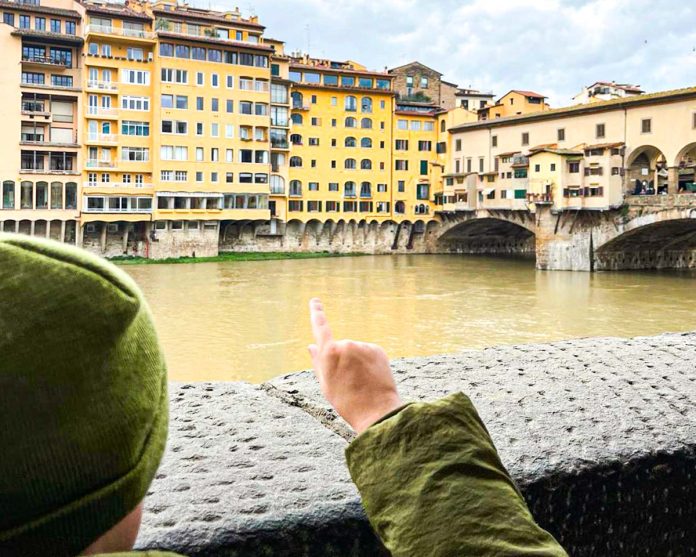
[600, 435]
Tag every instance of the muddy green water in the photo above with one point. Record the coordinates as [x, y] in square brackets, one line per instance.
[249, 320]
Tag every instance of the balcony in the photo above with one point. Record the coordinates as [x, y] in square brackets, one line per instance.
[141, 185]
[94, 163]
[349, 194]
[295, 192]
[166, 26]
[102, 138]
[278, 190]
[102, 112]
[102, 85]
[279, 144]
[299, 106]
[46, 61]
[119, 32]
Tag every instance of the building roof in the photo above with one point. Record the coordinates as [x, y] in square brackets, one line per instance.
[673, 95]
[604, 145]
[115, 10]
[39, 9]
[508, 153]
[625, 86]
[56, 38]
[525, 93]
[295, 63]
[562, 152]
[448, 83]
[414, 63]
[473, 93]
[543, 146]
[216, 41]
[209, 16]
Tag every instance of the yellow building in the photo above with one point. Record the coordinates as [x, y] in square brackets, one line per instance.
[514, 103]
[341, 135]
[41, 111]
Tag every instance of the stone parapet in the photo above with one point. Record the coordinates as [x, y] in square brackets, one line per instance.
[599, 433]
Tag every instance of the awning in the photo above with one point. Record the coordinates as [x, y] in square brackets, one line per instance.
[488, 191]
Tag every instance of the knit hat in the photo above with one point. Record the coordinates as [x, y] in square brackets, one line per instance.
[83, 397]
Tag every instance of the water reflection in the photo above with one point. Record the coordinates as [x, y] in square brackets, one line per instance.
[248, 320]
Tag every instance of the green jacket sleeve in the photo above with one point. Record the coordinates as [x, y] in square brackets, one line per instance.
[432, 484]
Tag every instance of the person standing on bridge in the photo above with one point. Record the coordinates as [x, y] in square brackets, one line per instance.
[429, 475]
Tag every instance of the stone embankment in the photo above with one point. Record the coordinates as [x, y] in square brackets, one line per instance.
[599, 433]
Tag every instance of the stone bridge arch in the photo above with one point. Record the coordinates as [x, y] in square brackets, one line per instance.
[657, 240]
[488, 232]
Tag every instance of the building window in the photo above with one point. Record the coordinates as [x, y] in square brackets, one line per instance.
[494, 141]
[560, 134]
[424, 82]
[525, 138]
[600, 131]
[401, 186]
[70, 28]
[646, 125]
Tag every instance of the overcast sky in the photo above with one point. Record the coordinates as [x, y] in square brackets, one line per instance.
[549, 46]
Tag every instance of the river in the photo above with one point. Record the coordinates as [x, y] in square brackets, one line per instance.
[249, 320]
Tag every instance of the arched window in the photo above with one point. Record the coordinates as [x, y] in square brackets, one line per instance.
[296, 99]
[296, 139]
[399, 207]
[443, 126]
[349, 189]
[8, 194]
[365, 189]
[350, 164]
[295, 187]
[366, 164]
[351, 122]
[26, 196]
[366, 104]
[366, 143]
[56, 195]
[296, 119]
[295, 162]
[351, 104]
[277, 184]
[366, 123]
[42, 195]
[71, 195]
[350, 142]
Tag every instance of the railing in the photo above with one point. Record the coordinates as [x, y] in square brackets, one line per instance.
[93, 163]
[350, 194]
[277, 190]
[100, 111]
[143, 185]
[279, 144]
[119, 32]
[102, 137]
[102, 85]
[165, 26]
[51, 61]
[115, 210]
[295, 192]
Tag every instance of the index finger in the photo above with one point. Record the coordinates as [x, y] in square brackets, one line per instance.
[320, 325]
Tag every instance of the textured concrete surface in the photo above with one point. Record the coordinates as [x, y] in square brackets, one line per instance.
[599, 433]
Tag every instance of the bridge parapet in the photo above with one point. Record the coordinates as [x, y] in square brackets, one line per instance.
[669, 201]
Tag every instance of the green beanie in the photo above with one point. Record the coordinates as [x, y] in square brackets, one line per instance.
[83, 397]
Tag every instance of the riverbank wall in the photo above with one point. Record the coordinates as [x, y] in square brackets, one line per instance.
[599, 434]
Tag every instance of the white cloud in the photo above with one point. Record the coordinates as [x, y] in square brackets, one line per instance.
[551, 46]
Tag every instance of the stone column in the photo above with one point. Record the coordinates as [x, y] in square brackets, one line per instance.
[79, 233]
[32, 226]
[48, 229]
[673, 179]
[103, 236]
[125, 238]
[62, 231]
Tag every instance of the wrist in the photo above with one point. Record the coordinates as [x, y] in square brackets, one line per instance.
[376, 413]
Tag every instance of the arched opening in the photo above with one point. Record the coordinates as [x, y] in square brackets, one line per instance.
[349, 142]
[351, 103]
[8, 195]
[669, 244]
[349, 189]
[489, 236]
[399, 207]
[296, 139]
[295, 188]
[365, 189]
[686, 169]
[366, 164]
[296, 119]
[349, 164]
[366, 105]
[366, 143]
[647, 172]
[297, 99]
[366, 123]
[295, 162]
[351, 122]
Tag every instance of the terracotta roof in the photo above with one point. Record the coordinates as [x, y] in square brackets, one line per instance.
[526, 93]
[213, 40]
[301, 66]
[48, 36]
[343, 88]
[565, 152]
[210, 16]
[604, 145]
[433, 112]
[544, 146]
[508, 154]
[39, 9]
[591, 108]
[624, 86]
[116, 11]
[449, 83]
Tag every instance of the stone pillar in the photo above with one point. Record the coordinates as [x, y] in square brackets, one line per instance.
[32, 227]
[48, 229]
[557, 247]
[79, 233]
[17, 226]
[104, 226]
[673, 179]
[62, 231]
[125, 238]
